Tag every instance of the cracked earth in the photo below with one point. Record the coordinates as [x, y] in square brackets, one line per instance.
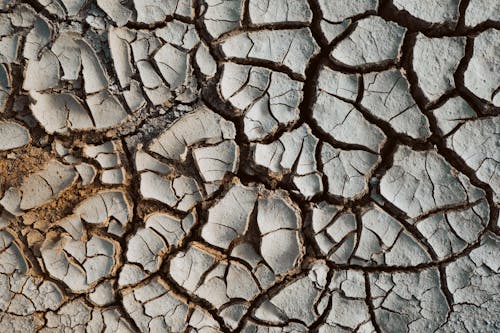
[256, 166]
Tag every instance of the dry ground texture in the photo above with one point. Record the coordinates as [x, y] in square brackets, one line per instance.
[256, 166]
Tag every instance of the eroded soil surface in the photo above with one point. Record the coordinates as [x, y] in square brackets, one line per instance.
[257, 166]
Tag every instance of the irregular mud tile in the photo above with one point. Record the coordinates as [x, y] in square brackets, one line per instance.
[435, 60]
[11, 201]
[291, 48]
[279, 222]
[275, 11]
[148, 244]
[269, 99]
[476, 142]
[172, 229]
[130, 275]
[203, 322]
[94, 75]
[228, 282]
[481, 76]
[5, 219]
[103, 153]
[9, 48]
[185, 8]
[187, 192]
[408, 302]
[71, 159]
[453, 113]
[143, 48]
[422, 181]
[222, 16]
[87, 173]
[79, 264]
[144, 248]
[344, 123]
[5, 86]
[134, 96]
[11, 257]
[116, 11]
[200, 126]
[143, 45]
[374, 40]
[67, 51]
[37, 38]
[60, 112]
[442, 11]
[172, 64]
[451, 232]
[260, 269]
[100, 260]
[114, 176]
[337, 14]
[215, 162]
[300, 301]
[15, 323]
[252, 327]
[106, 110]
[246, 252]
[387, 97]
[333, 30]
[60, 148]
[348, 171]
[59, 264]
[188, 267]
[73, 6]
[479, 11]
[232, 314]
[293, 153]
[340, 10]
[106, 158]
[338, 84]
[205, 61]
[74, 315]
[44, 295]
[151, 11]
[473, 283]
[105, 207]
[334, 233]
[121, 53]
[179, 34]
[349, 311]
[158, 188]
[73, 226]
[229, 217]
[145, 162]
[308, 185]
[174, 58]
[108, 320]
[42, 74]
[156, 91]
[384, 241]
[20, 305]
[43, 186]
[6, 26]
[13, 135]
[155, 308]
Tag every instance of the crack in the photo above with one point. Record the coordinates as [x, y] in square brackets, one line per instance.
[249, 174]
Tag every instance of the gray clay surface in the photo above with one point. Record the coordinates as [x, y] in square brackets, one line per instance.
[253, 166]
